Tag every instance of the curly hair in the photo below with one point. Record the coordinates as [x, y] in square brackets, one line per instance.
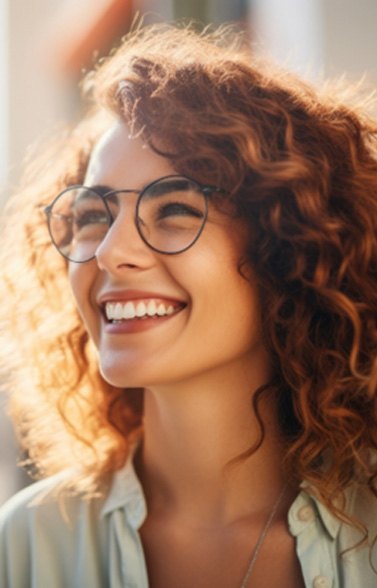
[301, 166]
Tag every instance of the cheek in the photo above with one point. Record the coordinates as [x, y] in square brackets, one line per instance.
[81, 277]
[76, 275]
[224, 302]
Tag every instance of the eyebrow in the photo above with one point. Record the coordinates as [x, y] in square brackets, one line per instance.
[167, 186]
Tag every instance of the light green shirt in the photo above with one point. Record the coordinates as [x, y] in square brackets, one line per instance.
[76, 543]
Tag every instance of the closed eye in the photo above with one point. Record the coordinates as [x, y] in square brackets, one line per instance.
[178, 209]
[90, 217]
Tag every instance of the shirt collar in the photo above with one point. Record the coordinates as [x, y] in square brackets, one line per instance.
[306, 510]
[126, 492]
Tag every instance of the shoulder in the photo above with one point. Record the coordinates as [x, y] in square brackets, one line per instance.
[23, 505]
[47, 529]
[47, 507]
[362, 506]
[45, 499]
[330, 549]
[67, 540]
[357, 544]
[361, 500]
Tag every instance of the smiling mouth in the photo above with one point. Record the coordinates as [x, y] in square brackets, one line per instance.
[118, 312]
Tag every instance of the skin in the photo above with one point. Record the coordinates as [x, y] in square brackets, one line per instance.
[199, 369]
[205, 278]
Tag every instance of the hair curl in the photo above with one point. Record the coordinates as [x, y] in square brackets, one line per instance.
[301, 167]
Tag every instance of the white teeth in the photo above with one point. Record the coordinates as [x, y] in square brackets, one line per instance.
[152, 308]
[117, 311]
[141, 309]
[129, 311]
[109, 310]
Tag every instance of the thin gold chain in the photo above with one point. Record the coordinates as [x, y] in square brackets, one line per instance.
[261, 539]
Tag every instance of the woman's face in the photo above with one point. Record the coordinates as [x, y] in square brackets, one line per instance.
[208, 314]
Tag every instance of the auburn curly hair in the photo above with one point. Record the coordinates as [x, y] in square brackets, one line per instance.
[301, 167]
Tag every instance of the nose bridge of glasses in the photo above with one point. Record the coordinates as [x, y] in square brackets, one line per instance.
[113, 196]
[168, 215]
[122, 229]
[122, 202]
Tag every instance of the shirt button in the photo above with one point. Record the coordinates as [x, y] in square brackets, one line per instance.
[321, 582]
[306, 513]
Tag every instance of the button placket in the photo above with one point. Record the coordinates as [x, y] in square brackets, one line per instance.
[314, 546]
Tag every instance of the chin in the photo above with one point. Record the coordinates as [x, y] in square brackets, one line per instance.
[120, 378]
[126, 374]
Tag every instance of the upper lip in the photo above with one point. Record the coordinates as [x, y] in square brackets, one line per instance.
[125, 295]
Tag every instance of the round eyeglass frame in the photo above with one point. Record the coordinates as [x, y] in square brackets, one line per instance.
[206, 189]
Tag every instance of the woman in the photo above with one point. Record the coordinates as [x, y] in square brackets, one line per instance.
[217, 221]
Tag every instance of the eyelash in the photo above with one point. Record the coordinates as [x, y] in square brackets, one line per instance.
[177, 207]
[86, 217]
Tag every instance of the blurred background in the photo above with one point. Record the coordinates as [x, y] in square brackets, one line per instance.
[47, 45]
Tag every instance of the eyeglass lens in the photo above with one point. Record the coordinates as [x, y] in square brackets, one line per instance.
[170, 215]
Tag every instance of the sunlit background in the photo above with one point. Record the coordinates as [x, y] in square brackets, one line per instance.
[46, 45]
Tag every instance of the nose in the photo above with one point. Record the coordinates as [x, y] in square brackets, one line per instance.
[122, 246]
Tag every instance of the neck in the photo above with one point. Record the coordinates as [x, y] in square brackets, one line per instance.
[192, 431]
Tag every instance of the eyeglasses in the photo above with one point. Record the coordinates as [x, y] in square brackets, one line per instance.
[170, 215]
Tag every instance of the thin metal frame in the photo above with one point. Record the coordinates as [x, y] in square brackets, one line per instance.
[206, 190]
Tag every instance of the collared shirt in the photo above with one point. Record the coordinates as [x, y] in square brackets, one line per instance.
[77, 543]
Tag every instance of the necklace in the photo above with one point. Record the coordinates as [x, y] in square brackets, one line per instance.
[261, 539]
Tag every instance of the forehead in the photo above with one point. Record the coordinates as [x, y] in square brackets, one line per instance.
[121, 161]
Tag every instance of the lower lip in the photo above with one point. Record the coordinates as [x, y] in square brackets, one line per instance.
[137, 325]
